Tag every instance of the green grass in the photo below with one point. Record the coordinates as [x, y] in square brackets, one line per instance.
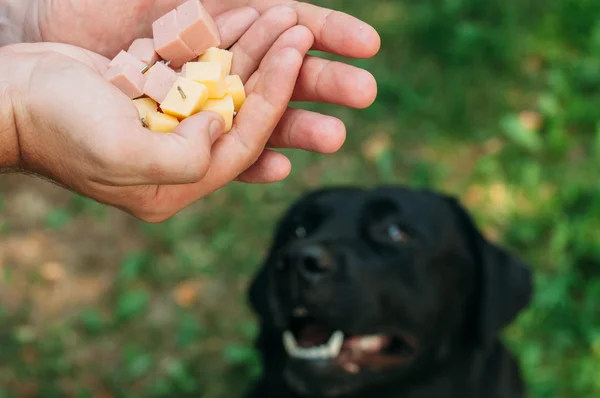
[454, 78]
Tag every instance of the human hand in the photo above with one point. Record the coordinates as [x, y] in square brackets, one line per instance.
[108, 26]
[80, 131]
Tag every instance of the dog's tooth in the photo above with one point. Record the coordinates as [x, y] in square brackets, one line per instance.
[334, 345]
[289, 342]
[329, 350]
[321, 352]
[289, 339]
[324, 352]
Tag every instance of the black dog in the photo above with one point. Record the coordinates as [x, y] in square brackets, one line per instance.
[386, 293]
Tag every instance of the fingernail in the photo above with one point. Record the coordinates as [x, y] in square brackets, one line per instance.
[215, 129]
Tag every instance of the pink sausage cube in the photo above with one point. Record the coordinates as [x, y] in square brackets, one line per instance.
[167, 42]
[126, 78]
[143, 49]
[196, 27]
[159, 80]
[124, 58]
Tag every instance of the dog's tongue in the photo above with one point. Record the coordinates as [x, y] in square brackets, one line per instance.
[367, 344]
[313, 335]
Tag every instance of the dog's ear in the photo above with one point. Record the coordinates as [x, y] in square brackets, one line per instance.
[506, 289]
[505, 281]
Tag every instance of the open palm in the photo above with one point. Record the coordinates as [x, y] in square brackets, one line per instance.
[248, 28]
[100, 149]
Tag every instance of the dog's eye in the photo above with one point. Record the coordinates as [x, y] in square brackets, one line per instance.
[390, 231]
[396, 234]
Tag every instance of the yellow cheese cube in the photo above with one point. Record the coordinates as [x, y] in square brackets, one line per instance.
[211, 74]
[185, 98]
[145, 105]
[223, 106]
[160, 122]
[215, 54]
[235, 88]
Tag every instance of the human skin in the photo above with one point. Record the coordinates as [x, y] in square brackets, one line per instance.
[253, 32]
[107, 26]
[95, 144]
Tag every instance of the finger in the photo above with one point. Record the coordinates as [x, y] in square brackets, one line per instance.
[233, 23]
[255, 43]
[236, 151]
[261, 112]
[270, 167]
[335, 32]
[309, 131]
[143, 157]
[216, 7]
[143, 202]
[333, 82]
[298, 37]
[326, 81]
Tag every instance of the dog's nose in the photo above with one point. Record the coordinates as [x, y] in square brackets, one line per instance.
[314, 262]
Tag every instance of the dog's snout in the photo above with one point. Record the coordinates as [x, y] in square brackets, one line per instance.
[314, 262]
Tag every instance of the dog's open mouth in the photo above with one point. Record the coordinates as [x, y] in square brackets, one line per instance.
[311, 340]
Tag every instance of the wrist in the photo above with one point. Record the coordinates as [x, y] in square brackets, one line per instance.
[18, 21]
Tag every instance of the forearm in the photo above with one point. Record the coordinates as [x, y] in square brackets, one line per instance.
[17, 21]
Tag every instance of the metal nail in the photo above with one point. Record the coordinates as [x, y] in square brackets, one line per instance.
[181, 92]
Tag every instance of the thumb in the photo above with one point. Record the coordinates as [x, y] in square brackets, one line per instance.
[217, 129]
[179, 157]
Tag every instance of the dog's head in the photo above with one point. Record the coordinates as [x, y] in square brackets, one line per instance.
[363, 288]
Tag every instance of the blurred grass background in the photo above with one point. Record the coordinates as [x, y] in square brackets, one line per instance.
[494, 101]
